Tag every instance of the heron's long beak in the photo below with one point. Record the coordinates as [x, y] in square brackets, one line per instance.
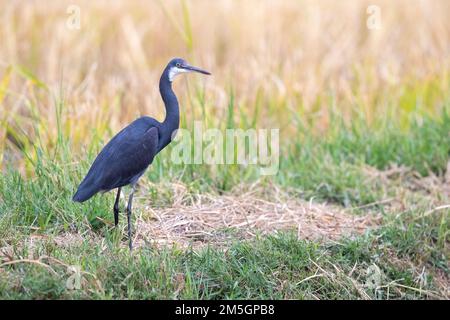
[195, 69]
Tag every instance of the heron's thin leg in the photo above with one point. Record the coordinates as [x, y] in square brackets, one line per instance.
[116, 207]
[130, 203]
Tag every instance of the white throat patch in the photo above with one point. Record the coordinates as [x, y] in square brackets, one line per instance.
[175, 71]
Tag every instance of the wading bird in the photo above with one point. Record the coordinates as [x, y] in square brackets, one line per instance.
[126, 157]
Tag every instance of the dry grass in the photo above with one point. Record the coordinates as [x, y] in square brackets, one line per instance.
[436, 189]
[216, 219]
[288, 62]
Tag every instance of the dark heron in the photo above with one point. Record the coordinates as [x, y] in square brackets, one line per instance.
[126, 157]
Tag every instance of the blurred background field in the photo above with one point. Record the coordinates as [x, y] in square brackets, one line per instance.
[363, 116]
[288, 64]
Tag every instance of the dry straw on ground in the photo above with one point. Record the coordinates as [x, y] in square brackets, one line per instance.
[216, 219]
[242, 214]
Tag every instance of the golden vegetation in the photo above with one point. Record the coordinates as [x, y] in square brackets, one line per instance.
[287, 63]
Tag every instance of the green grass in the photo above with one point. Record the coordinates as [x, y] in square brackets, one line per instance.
[330, 167]
[272, 267]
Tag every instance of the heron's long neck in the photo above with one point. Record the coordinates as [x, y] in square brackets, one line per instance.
[172, 120]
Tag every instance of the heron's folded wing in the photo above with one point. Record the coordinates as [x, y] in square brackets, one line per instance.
[129, 159]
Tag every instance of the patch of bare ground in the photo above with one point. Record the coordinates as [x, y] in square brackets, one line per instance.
[244, 213]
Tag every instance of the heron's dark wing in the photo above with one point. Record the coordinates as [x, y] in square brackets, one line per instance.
[130, 159]
[123, 160]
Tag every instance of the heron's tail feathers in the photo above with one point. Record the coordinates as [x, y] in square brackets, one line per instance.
[84, 193]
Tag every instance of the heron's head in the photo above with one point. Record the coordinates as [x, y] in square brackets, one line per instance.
[177, 66]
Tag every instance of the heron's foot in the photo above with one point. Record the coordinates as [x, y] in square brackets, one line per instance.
[130, 244]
